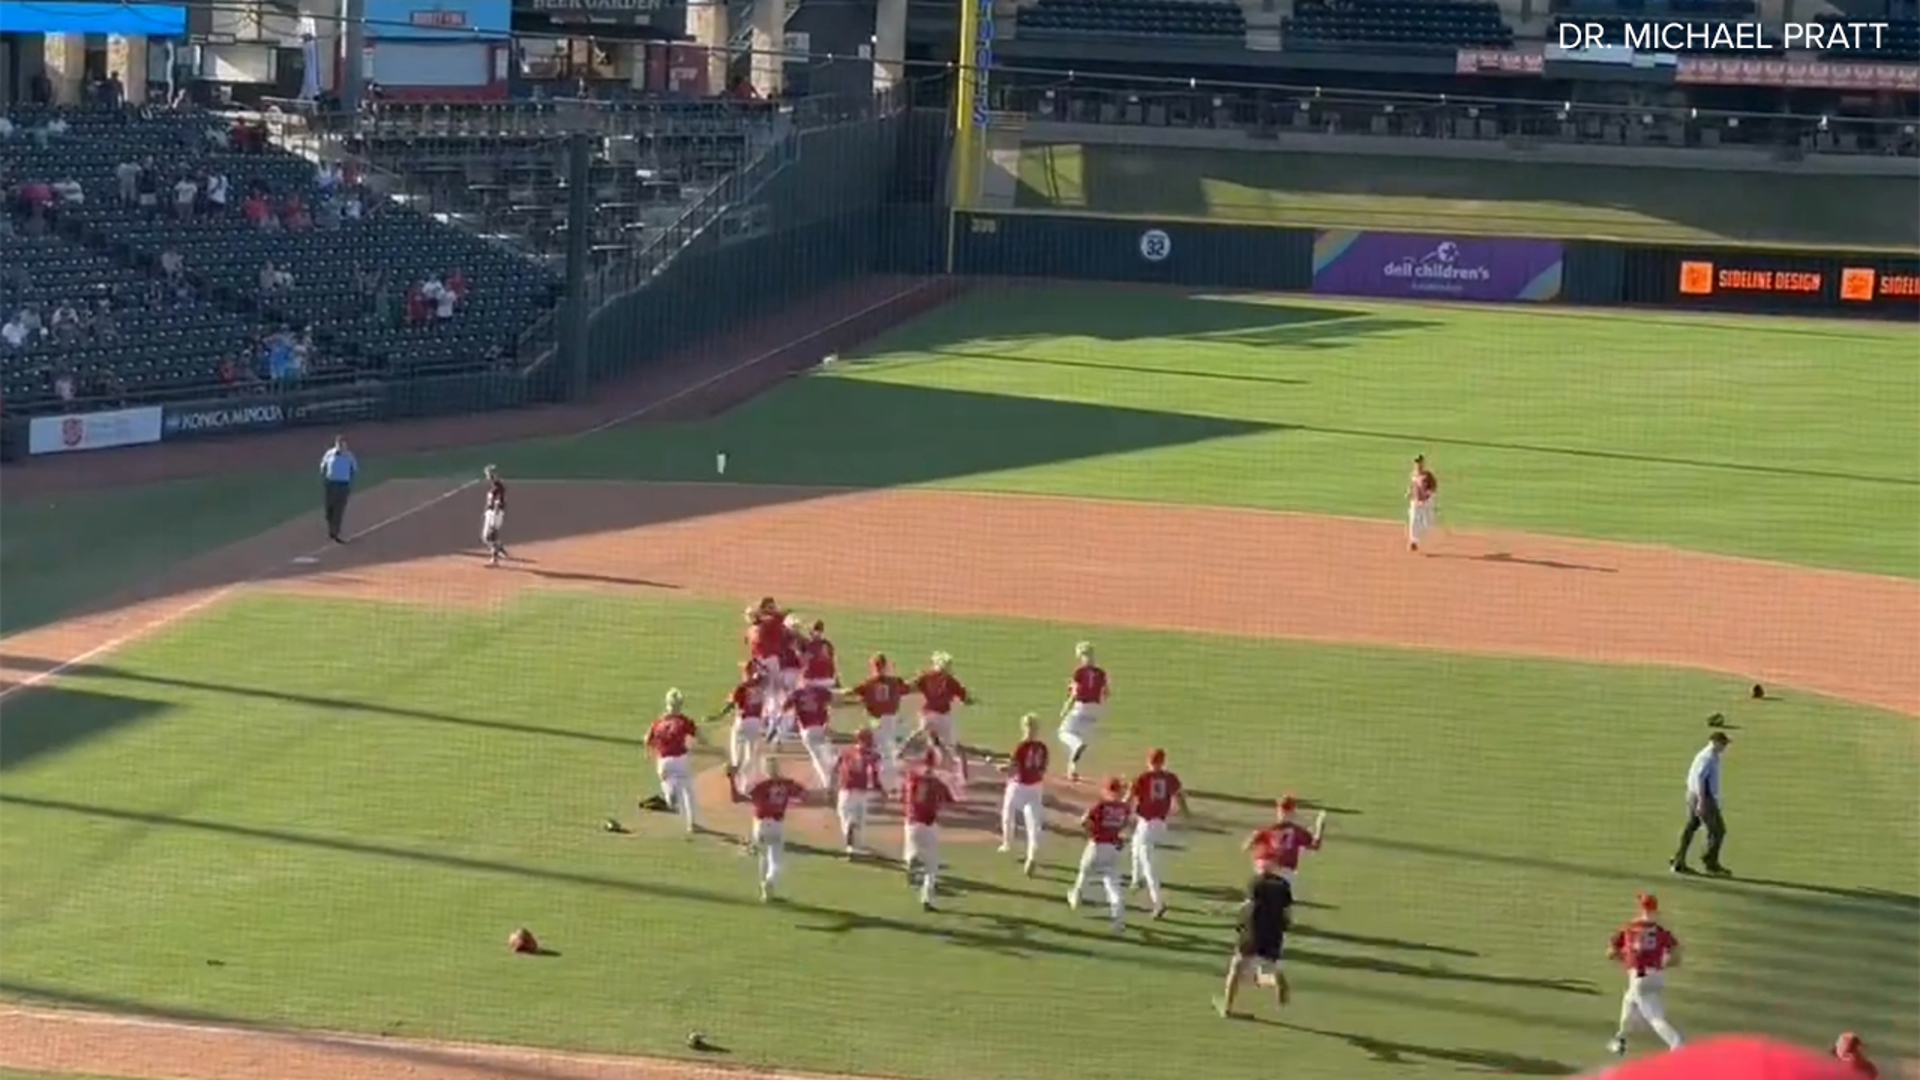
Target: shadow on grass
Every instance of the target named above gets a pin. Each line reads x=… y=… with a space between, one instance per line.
x=55 y=718
x=47 y=721
x=1390 y=1052
x=1008 y=934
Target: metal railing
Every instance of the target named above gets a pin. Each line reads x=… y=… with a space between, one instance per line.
x=1267 y=109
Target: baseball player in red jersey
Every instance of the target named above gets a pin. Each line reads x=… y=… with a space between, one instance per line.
x=766 y=638
x=812 y=708
x=881 y=693
x=748 y=704
x=1646 y=950
x=1156 y=793
x=1026 y=771
x=939 y=691
x=493 y=518
x=1422 y=486
x=788 y=665
x=1281 y=844
x=668 y=740
x=771 y=798
x=818 y=666
x=1105 y=823
x=1851 y=1052
x=1086 y=703
x=927 y=793
x=856 y=780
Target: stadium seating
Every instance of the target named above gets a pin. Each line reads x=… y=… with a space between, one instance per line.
x=1201 y=20
x=501 y=168
x=223 y=255
x=1396 y=25
x=136 y=337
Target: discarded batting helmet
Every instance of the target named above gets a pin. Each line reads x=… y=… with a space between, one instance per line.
x=523 y=941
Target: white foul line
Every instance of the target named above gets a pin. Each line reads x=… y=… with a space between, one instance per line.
x=744 y=365
x=174 y=615
x=214 y=597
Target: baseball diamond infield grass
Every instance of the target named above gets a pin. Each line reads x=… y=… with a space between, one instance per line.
x=1502 y=198
x=326 y=812
x=1775 y=438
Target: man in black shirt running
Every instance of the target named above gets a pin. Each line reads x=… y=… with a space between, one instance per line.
x=1264 y=917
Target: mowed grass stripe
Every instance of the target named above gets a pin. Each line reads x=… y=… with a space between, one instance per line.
x=1777 y=439
x=351 y=834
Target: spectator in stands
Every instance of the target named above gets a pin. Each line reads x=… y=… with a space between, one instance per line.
x=217 y=189
x=30 y=320
x=327 y=217
x=293 y=214
x=186 y=193
x=65 y=387
x=146 y=188
x=114 y=92
x=124 y=176
x=258 y=213
x=65 y=326
x=68 y=192
x=457 y=285
x=103 y=324
x=14 y=333
x=274 y=281
x=354 y=207
x=172 y=264
x=327 y=177
x=438 y=299
x=40 y=88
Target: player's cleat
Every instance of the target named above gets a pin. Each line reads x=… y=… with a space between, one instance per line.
x=1413 y=545
x=1616 y=1046
x=926 y=905
x=766 y=894
x=1679 y=867
x=1119 y=926
x=1004 y=849
x=1027 y=868
x=1073 y=899
x=1159 y=912
x=1220 y=1006
x=1718 y=870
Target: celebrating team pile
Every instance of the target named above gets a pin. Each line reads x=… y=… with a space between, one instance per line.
x=786 y=693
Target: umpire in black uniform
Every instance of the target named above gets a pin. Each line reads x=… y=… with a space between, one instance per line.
x=1265 y=915
x=337 y=470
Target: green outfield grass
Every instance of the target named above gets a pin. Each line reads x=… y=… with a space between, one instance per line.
x=221 y=821
x=1497 y=197
x=1777 y=438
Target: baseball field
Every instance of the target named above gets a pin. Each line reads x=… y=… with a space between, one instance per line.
x=269 y=807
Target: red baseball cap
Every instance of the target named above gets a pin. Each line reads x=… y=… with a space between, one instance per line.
x=1731 y=1057
x=1648 y=902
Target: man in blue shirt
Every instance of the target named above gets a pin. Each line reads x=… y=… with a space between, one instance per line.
x=337 y=470
x=1704 y=807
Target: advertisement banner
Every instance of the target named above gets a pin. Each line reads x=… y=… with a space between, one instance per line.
x=220 y=418
x=1785 y=282
x=1348 y=263
x=93 y=431
x=442 y=20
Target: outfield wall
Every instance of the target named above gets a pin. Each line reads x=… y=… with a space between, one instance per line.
x=1439 y=267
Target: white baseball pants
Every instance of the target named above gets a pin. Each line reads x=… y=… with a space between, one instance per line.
x=853 y=807
x=1419 y=521
x=1645 y=1000
x=819 y=747
x=676 y=786
x=921 y=847
x=1100 y=862
x=1145 y=851
x=1021 y=807
x=770 y=839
